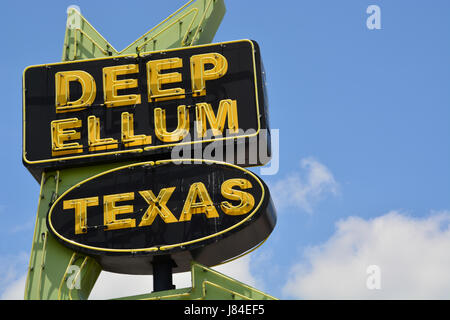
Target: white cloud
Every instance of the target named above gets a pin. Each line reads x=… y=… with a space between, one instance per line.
x=302 y=190
x=12 y=268
x=240 y=270
x=112 y=285
x=413 y=255
x=15 y=289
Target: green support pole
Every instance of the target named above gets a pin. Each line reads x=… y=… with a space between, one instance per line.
x=56 y=272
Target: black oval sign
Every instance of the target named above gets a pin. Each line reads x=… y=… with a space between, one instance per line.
x=204 y=211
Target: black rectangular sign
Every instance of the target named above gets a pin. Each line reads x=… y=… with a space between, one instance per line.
x=141 y=106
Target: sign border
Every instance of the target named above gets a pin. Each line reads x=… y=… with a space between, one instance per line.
x=144 y=149
x=164 y=247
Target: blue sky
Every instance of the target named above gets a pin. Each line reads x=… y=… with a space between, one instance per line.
x=364 y=135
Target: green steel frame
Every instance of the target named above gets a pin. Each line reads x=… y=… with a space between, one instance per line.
x=194 y=23
x=56 y=272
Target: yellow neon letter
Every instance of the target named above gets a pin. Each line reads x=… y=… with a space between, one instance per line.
x=60 y=134
x=156 y=79
x=179 y=133
x=204 y=112
x=199 y=75
x=111 y=85
x=247 y=202
x=128 y=137
x=191 y=206
x=80 y=206
x=95 y=142
x=62 y=86
x=152 y=211
x=111 y=211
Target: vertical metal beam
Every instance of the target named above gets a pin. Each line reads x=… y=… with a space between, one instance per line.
x=162 y=273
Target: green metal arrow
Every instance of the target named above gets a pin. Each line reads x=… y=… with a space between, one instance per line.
x=194 y=23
